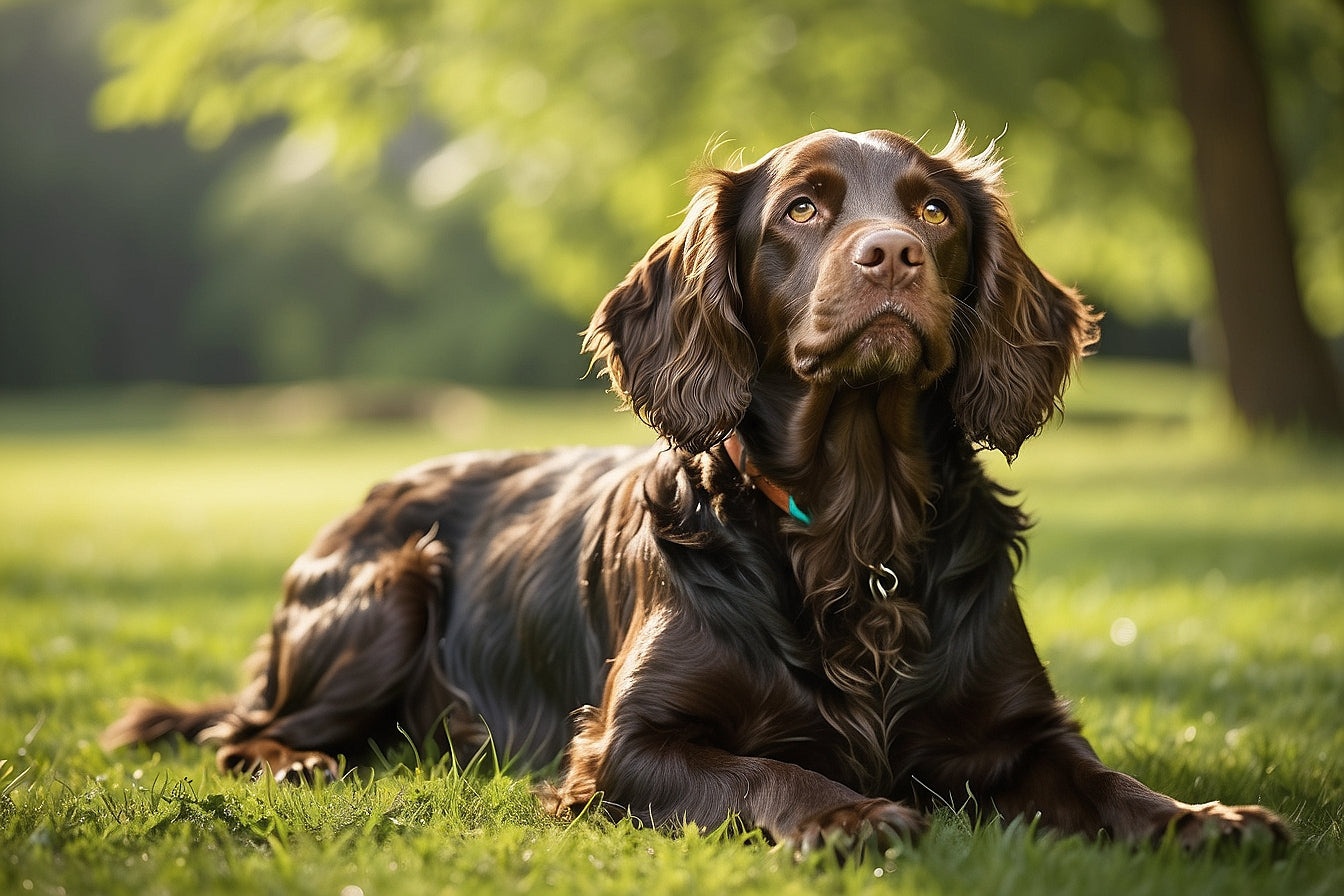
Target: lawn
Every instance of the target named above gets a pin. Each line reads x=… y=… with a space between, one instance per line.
x=1185 y=582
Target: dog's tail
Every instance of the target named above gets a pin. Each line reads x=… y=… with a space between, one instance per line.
x=146 y=721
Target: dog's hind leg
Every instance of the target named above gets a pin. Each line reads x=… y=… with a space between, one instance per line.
x=350 y=658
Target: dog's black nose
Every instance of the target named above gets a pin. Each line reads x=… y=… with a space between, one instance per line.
x=890 y=257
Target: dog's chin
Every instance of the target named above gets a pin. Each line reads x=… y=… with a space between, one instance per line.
x=887 y=350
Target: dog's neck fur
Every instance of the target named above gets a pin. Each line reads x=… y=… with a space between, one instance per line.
x=856 y=461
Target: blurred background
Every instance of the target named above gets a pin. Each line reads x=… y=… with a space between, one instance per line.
x=411 y=191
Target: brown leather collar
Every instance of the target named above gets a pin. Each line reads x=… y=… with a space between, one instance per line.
x=737 y=452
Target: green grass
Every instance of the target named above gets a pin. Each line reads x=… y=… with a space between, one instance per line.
x=1186 y=584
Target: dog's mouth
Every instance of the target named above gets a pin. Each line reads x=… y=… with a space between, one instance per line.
x=886 y=343
x=887 y=320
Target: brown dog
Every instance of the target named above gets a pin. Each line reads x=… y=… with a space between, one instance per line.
x=799 y=610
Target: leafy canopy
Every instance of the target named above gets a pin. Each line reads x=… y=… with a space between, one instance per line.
x=578 y=118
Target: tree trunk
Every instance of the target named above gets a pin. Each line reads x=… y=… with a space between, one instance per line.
x=1279 y=369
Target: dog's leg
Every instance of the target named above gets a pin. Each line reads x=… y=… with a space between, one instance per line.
x=676 y=737
x=1054 y=774
x=661 y=778
x=351 y=655
x=1063 y=781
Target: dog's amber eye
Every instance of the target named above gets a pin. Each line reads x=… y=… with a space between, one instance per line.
x=802 y=210
x=934 y=212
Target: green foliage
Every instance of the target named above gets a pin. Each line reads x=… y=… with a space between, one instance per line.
x=327 y=277
x=1184 y=583
x=580 y=116
x=422 y=189
x=127 y=256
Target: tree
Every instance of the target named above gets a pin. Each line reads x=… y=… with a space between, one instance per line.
x=1278 y=367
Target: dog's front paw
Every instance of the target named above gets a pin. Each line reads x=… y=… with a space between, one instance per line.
x=1211 y=824
x=262 y=757
x=853 y=829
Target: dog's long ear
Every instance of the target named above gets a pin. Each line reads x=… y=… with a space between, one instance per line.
x=1026 y=331
x=671 y=334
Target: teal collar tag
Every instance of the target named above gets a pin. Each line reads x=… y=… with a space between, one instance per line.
x=796 y=512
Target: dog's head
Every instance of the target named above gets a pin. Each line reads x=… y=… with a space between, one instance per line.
x=843 y=260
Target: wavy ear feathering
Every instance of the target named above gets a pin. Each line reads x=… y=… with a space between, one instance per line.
x=671 y=336
x=1027 y=330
